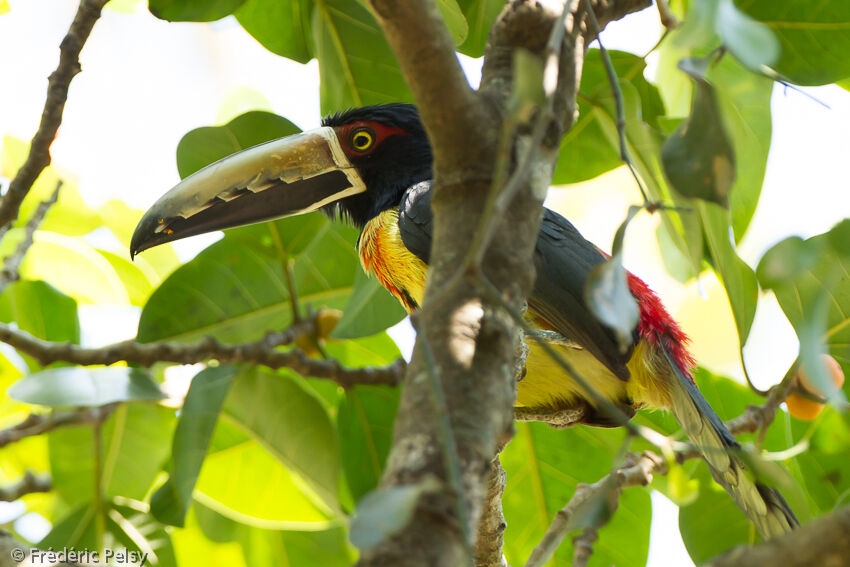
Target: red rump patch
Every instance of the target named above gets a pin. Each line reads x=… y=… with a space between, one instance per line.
x=657 y=325
x=377 y=130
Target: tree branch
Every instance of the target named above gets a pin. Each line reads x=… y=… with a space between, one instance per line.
x=259 y=352
x=822 y=541
x=12 y=264
x=36 y=424
x=491 y=530
x=637 y=471
x=27 y=485
x=51 y=117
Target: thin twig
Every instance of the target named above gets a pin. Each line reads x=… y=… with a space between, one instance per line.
x=51 y=117
x=12 y=263
x=619 y=104
x=637 y=471
x=261 y=352
x=668 y=19
x=36 y=424
x=29 y=484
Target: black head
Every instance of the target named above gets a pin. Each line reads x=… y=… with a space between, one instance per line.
x=388 y=145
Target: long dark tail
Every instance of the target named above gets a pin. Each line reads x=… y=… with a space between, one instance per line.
x=764 y=505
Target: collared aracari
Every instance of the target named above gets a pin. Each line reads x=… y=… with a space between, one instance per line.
x=372 y=165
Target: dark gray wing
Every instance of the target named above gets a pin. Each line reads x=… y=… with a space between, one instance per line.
x=563 y=259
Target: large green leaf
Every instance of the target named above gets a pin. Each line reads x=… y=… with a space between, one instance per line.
x=134 y=442
x=814 y=37
x=586 y=151
x=195 y=427
x=290 y=422
x=192 y=10
x=544 y=466
x=202 y=146
x=356 y=65
x=41 y=310
x=89 y=387
x=370 y=309
x=737 y=277
x=236 y=289
x=455 y=19
x=480 y=15
x=328 y=548
x=125 y=529
x=823 y=280
x=281 y=26
x=365 y=428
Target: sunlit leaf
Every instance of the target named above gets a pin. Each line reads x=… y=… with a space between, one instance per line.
x=455 y=20
x=281 y=26
x=480 y=15
x=192 y=10
x=752 y=42
x=370 y=309
x=356 y=65
x=134 y=444
x=191 y=438
x=813 y=37
x=202 y=146
x=365 y=428
x=544 y=466
x=41 y=310
x=236 y=290
x=290 y=422
x=80 y=386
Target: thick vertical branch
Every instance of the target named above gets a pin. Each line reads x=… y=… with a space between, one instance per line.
x=51 y=117
x=471 y=338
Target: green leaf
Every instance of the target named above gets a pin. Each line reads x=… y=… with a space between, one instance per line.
x=236 y=289
x=698 y=157
x=737 y=277
x=480 y=15
x=291 y=423
x=587 y=139
x=752 y=42
x=786 y=260
x=127 y=529
x=139 y=278
x=53 y=256
x=134 y=442
x=370 y=309
x=328 y=548
x=713 y=523
x=814 y=37
x=356 y=65
x=281 y=26
x=365 y=429
x=455 y=20
x=192 y=10
x=203 y=146
x=815 y=298
x=195 y=427
x=89 y=387
x=385 y=511
x=41 y=310
x=543 y=467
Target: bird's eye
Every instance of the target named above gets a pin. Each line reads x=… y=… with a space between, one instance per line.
x=362 y=139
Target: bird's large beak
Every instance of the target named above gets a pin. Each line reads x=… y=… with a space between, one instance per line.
x=284 y=177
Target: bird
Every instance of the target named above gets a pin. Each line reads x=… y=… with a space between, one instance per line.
x=373 y=167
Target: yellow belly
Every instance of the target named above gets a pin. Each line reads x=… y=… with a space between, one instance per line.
x=546 y=384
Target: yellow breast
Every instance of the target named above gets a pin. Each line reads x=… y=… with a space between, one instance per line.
x=383 y=253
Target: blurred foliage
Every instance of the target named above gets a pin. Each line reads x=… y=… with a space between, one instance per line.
x=261 y=467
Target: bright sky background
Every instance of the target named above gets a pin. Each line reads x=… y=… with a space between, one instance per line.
x=146 y=82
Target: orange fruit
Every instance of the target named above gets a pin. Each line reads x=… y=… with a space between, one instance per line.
x=804 y=408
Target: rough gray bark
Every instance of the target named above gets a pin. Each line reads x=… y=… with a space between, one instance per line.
x=470 y=337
